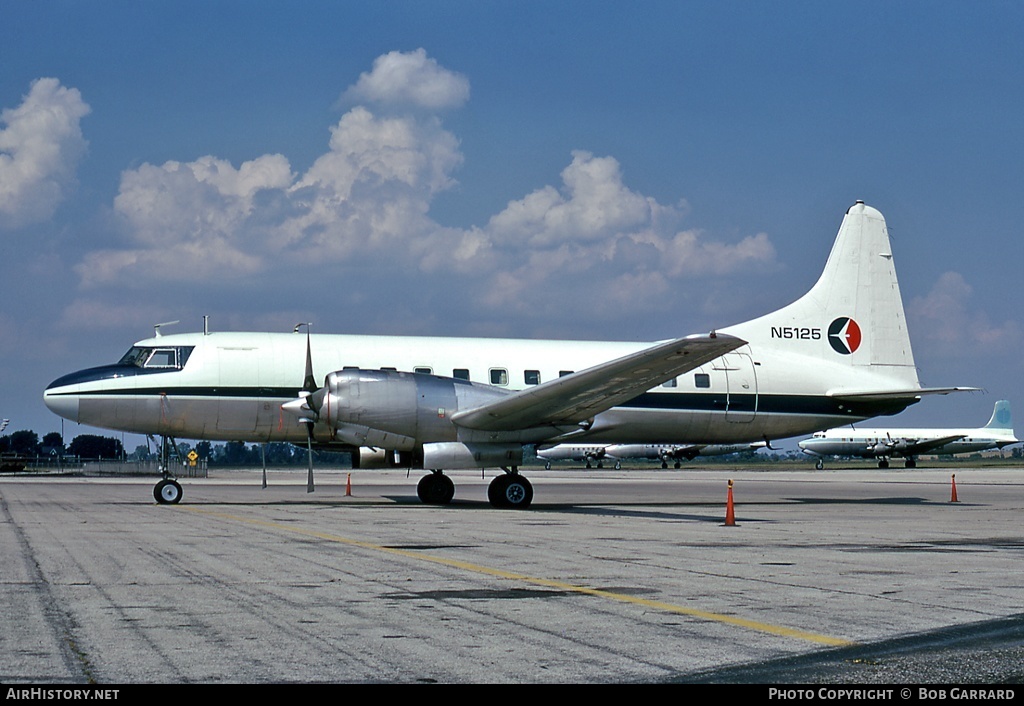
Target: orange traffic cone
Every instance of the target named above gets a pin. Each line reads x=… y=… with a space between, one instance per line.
x=730 y=515
x=348 y=486
x=953 y=498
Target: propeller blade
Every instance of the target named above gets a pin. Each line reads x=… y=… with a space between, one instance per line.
x=309 y=382
x=305 y=395
x=309 y=455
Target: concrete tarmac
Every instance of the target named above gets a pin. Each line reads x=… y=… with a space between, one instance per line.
x=853 y=576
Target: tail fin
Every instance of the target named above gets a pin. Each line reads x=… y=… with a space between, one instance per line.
x=1001 y=417
x=854 y=313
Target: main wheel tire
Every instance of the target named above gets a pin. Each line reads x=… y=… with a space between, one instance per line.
x=518 y=493
x=167 y=492
x=435 y=489
x=510 y=491
x=496 y=491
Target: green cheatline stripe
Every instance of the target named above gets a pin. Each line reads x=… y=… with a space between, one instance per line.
x=550 y=583
x=815 y=405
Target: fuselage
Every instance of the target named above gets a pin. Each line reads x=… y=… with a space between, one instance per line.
x=230 y=386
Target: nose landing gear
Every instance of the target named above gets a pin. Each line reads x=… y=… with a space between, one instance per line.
x=167 y=491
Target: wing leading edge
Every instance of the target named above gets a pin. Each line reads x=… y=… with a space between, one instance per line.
x=575 y=398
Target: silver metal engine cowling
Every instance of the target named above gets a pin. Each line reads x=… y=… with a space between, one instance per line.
x=395 y=410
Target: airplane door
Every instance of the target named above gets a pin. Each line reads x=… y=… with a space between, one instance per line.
x=742 y=384
x=238 y=389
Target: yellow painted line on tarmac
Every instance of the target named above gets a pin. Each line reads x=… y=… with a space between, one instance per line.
x=550 y=583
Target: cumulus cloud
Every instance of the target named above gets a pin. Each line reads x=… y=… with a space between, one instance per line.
x=594 y=221
x=40 y=147
x=410 y=79
x=364 y=205
x=594 y=205
x=946 y=317
x=368 y=194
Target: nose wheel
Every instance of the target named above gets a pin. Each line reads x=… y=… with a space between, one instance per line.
x=167 y=492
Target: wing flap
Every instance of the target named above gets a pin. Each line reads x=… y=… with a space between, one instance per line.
x=577 y=397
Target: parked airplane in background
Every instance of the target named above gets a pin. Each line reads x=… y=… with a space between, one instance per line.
x=596 y=454
x=677 y=453
x=840 y=353
x=591 y=454
x=884 y=444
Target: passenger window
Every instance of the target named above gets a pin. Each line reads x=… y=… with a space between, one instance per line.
x=499 y=376
x=702 y=380
x=531 y=377
x=563 y=373
x=392 y=369
x=461 y=373
x=425 y=371
x=670 y=383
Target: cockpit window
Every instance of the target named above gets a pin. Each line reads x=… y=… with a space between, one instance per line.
x=171 y=358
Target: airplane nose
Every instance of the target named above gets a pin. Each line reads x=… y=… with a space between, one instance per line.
x=64 y=404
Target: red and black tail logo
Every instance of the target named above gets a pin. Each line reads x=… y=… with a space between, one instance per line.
x=844 y=335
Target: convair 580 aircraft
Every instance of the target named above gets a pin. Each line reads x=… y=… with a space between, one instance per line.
x=840 y=353
x=884 y=444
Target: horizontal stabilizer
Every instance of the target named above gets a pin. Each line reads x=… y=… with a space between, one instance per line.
x=882 y=395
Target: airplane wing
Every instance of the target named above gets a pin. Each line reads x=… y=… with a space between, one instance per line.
x=577 y=397
x=914 y=446
x=687 y=452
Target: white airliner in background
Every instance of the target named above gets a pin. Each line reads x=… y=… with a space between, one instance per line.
x=596 y=454
x=839 y=354
x=884 y=444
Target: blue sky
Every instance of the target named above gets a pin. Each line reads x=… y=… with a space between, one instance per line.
x=599 y=170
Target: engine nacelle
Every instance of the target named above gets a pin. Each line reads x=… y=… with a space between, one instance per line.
x=411 y=414
x=902 y=445
x=394 y=410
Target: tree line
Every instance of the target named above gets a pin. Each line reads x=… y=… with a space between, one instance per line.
x=27 y=444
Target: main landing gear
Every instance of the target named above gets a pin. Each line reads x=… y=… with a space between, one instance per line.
x=167 y=491
x=910 y=462
x=509 y=490
x=435 y=488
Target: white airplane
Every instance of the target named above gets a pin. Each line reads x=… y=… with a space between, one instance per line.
x=591 y=454
x=596 y=454
x=841 y=353
x=677 y=453
x=884 y=444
